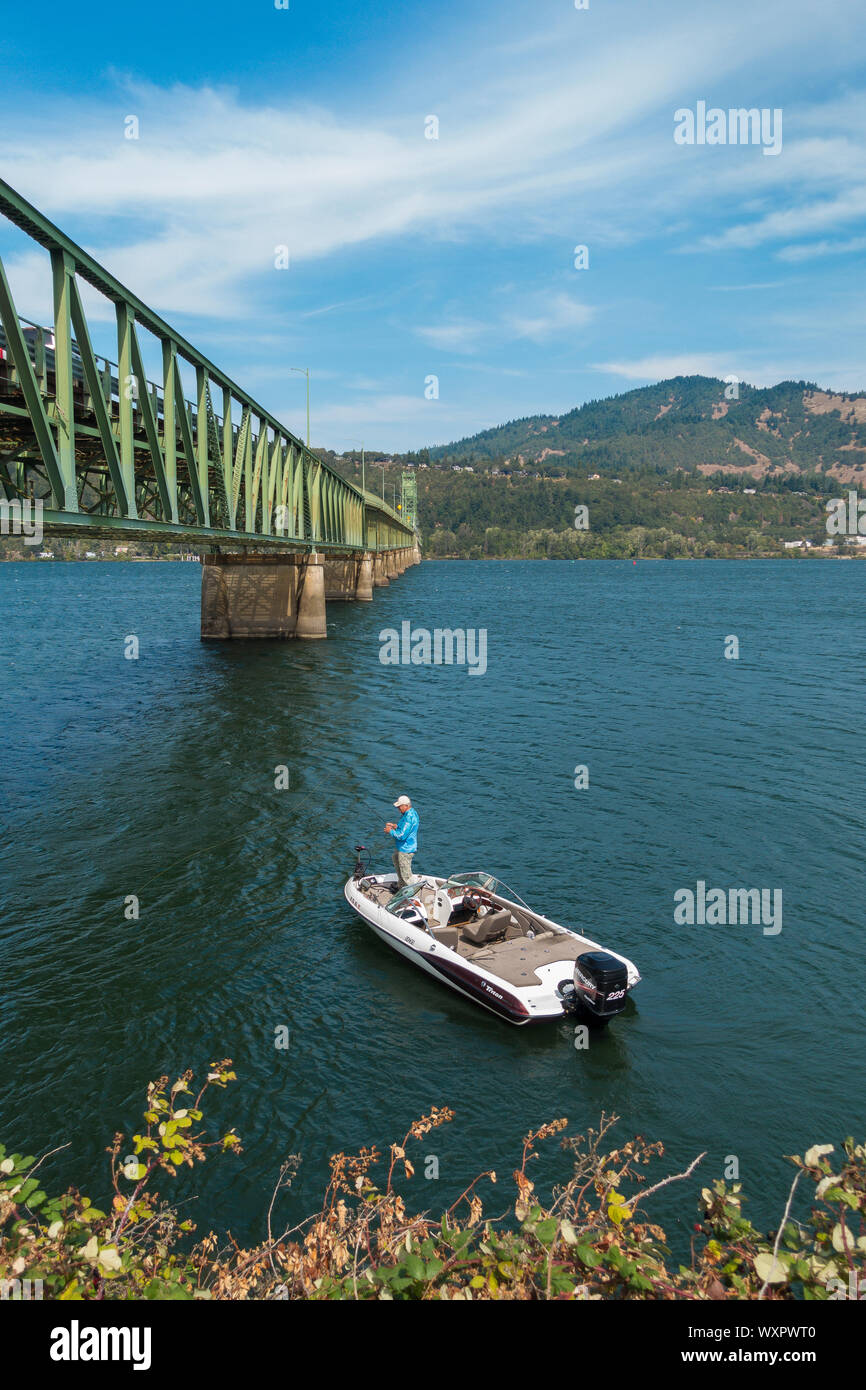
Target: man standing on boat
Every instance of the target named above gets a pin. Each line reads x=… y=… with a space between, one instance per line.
x=405 y=833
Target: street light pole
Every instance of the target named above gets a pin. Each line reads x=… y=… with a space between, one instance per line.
x=305 y=371
x=363 y=464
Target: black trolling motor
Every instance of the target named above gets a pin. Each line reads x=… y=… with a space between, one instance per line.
x=360 y=866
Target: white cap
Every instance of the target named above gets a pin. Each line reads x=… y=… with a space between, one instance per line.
x=402 y=801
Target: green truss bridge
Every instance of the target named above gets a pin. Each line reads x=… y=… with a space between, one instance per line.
x=94 y=447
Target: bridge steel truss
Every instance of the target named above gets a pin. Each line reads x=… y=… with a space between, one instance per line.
x=106 y=451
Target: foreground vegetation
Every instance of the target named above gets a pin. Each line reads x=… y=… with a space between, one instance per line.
x=592 y=1238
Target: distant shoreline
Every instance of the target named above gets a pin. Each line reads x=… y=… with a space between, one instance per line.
x=814 y=554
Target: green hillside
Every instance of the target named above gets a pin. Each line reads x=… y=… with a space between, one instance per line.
x=688 y=423
x=474 y=515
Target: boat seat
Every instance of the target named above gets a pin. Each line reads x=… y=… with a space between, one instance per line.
x=490 y=927
x=447 y=935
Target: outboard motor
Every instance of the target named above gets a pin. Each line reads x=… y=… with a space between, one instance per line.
x=600 y=986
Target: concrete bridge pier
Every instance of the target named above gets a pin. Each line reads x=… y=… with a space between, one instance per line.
x=276 y=596
x=284 y=595
x=341 y=578
x=364 y=585
x=312 y=621
x=350 y=579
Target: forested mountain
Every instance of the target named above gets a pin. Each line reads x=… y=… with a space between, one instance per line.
x=687 y=422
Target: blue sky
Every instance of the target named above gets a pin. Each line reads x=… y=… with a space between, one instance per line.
x=410 y=257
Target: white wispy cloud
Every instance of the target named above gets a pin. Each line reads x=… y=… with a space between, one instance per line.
x=215 y=183
x=815 y=250
x=541 y=318
x=802 y=220
x=659 y=367
x=562 y=314
x=565 y=136
x=841 y=376
x=749 y=288
x=454 y=337
x=398 y=409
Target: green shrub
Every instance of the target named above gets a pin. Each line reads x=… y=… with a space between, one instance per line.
x=590 y=1239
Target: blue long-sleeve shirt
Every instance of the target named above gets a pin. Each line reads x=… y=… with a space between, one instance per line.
x=405 y=832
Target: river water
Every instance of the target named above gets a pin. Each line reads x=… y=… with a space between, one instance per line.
x=155 y=777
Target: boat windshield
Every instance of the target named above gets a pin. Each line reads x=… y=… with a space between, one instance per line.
x=479 y=879
x=410 y=891
x=476 y=879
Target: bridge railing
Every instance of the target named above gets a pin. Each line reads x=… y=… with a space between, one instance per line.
x=104 y=447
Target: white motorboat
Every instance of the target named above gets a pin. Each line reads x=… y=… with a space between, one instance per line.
x=479 y=937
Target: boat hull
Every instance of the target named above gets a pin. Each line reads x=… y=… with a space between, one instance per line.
x=521 y=1006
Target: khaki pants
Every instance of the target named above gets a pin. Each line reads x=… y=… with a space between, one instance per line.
x=403 y=865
